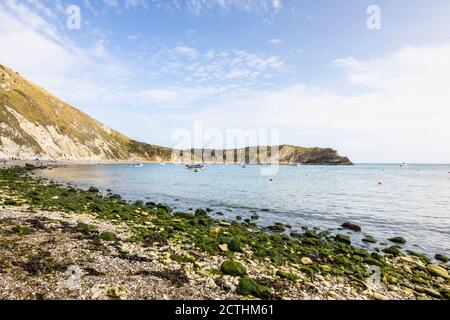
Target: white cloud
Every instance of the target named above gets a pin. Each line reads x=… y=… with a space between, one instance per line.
x=276 y=5
x=197 y=7
x=55 y=63
x=402 y=113
x=186 y=51
x=275 y=41
x=216 y=67
x=135 y=36
x=137 y=3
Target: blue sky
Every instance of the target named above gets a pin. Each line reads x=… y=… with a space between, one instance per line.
x=311 y=69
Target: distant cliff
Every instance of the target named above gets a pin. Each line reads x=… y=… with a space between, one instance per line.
x=34 y=123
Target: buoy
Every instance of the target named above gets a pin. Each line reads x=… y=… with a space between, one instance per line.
x=270 y=179
x=379 y=183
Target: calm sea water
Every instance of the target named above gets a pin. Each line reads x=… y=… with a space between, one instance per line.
x=413 y=202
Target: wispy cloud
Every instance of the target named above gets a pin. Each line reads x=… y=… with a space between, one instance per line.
x=197 y=7
x=216 y=67
x=275 y=41
x=194 y=7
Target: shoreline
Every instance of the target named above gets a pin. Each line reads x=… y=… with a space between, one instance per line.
x=194 y=247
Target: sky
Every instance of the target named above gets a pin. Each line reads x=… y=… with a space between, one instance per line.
x=372 y=84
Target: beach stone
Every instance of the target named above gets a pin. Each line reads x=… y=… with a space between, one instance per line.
x=111 y=291
x=342 y=238
x=306 y=261
x=399 y=240
x=223 y=247
x=438 y=271
x=93 y=190
x=379 y=296
x=210 y=283
x=351 y=226
x=393 y=250
x=277 y=228
x=412 y=260
x=369 y=239
x=441 y=258
x=407 y=269
x=433 y=293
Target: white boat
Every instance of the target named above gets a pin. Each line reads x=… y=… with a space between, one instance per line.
x=404 y=164
x=140 y=165
x=195 y=166
x=243 y=165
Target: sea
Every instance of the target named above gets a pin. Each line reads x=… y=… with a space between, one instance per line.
x=386 y=200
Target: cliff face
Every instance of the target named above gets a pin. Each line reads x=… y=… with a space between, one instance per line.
x=284 y=154
x=34 y=123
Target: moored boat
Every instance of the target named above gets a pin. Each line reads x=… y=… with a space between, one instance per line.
x=195 y=166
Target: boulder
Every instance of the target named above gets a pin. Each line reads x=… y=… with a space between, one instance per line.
x=93 y=190
x=277 y=228
x=342 y=238
x=400 y=240
x=306 y=261
x=441 y=257
x=369 y=239
x=395 y=251
x=438 y=271
x=351 y=226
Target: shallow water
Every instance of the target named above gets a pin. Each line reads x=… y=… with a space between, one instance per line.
x=413 y=202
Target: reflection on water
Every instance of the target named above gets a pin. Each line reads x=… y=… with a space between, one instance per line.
x=386 y=200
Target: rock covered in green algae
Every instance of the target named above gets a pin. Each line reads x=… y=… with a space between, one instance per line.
x=249 y=287
x=286 y=275
x=108 y=236
x=277 y=228
x=438 y=271
x=399 y=240
x=394 y=250
x=200 y=213
x=10 y=202
x=233 y=268
x=22 y=230
x=235 y=244
x=441 y=257
x=93 y=190
x=369 y=239
x=342 y=238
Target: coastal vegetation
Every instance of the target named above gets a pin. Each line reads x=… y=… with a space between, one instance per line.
x=242 y=259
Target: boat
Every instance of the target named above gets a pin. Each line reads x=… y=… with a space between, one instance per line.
x=404 y=164
x=140 y=165
x=195 y=166
x=243 y=165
